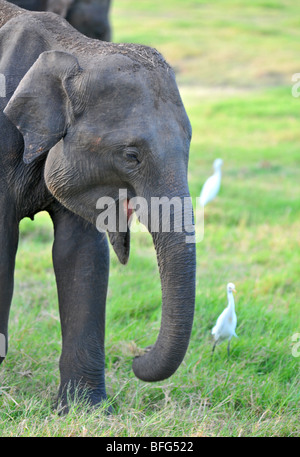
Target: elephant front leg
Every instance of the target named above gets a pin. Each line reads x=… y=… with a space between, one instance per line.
x=81 y=264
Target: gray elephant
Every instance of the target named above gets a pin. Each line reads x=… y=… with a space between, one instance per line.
x=83 y=121
x=32 y=5
x=59 y=6
x=90 y=17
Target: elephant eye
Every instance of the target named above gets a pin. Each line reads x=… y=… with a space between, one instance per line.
x=132 y=154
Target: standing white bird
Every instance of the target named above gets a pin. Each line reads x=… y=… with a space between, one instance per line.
x=212 y=185
x=226 y=322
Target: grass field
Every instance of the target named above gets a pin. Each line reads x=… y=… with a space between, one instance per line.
x=234 y=62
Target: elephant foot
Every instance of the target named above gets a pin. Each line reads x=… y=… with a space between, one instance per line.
x=80 y=397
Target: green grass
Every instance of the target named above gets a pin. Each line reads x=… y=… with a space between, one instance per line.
x=220 y=42
x=234 y=72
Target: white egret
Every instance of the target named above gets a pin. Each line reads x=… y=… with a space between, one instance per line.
x=212 y=185
x=226 y=322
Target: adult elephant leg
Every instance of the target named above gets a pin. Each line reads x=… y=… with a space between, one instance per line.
x=9 y=234
x=81 y=265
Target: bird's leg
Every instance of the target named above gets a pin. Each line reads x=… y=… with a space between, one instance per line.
x=212 y=352
x=228 y=348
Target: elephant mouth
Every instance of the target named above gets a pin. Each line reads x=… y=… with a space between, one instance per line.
x=120 y=239
x=176 y=216
x=128 y=210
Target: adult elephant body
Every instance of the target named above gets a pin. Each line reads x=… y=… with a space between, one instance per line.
x=81 y=120
x=31 y=5
x=90 y=17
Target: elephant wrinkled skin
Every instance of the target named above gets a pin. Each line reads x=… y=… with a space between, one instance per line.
x=81 y=120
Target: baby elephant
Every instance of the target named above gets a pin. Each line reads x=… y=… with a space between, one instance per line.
x=84 y=122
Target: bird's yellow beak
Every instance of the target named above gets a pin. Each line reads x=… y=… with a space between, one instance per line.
x=233 y=290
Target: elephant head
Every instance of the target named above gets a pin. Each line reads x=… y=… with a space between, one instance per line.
x=109 y=123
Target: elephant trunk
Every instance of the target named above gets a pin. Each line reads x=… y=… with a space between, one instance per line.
x=176 y=261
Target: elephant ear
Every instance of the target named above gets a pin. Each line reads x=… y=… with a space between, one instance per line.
x=41 y=106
